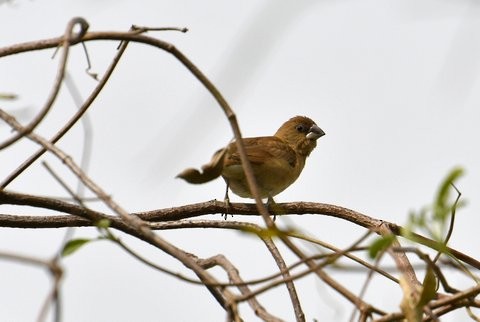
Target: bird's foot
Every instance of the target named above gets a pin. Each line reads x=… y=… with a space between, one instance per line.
x=226 y=200
x=274 y=208
x=227 y=208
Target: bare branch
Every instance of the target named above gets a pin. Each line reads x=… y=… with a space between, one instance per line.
x=143 y=224
x=56 y=272
x=134 y=222
x=81 y=111
x=68 y=39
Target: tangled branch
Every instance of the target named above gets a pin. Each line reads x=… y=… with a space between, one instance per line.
x=421 y=300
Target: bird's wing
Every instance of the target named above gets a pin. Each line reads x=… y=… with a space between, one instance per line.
x=262 y=150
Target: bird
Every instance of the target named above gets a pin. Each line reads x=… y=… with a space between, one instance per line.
x=276 y=161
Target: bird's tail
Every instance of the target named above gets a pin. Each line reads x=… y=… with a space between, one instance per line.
x=210 y=171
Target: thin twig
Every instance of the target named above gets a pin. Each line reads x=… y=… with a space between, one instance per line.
x=234 y=277
x=452 y=222
x=136 y=224
x=142 y=29
x=86 y=126
x=297 y=308
x=68 y=39
x=56 y=272
x=74 y=119
x=88 y=70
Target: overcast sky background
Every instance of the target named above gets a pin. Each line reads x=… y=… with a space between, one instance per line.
x=394 y=84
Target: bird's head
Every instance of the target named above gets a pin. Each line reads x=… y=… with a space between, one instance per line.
x=301 y=133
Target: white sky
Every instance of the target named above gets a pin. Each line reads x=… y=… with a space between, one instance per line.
x=394 y=84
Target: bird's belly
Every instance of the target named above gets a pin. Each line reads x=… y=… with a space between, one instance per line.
x=271 y=179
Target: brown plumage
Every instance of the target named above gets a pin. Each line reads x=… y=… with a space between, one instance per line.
x=277 y=160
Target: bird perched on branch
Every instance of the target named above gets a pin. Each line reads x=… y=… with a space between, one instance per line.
x=276 y=160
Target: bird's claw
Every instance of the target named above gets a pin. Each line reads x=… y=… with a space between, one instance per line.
x=227 y=208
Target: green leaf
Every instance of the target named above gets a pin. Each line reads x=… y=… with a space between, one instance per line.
x=441 y=205
x=103 y=223
x=429 y=290
x=379 y=245
x=73 y=245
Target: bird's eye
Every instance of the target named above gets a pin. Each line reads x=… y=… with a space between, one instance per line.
x=301 y=128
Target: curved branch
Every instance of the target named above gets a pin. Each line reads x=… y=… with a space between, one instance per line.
x=135 y=37
x=68 y=39
x=73 y=120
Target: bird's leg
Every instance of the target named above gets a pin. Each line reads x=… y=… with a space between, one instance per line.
x=226 y=200
x=273 y=207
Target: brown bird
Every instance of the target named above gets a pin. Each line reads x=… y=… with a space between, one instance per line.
x=277 y=160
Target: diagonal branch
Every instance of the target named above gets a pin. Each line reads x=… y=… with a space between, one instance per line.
x=136 y=224
x=135 y=37
x=73 y=120
x=68 y=39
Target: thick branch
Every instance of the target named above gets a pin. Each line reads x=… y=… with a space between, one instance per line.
x=194 y=210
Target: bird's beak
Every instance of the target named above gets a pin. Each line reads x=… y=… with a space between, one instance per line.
x=315 y=132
